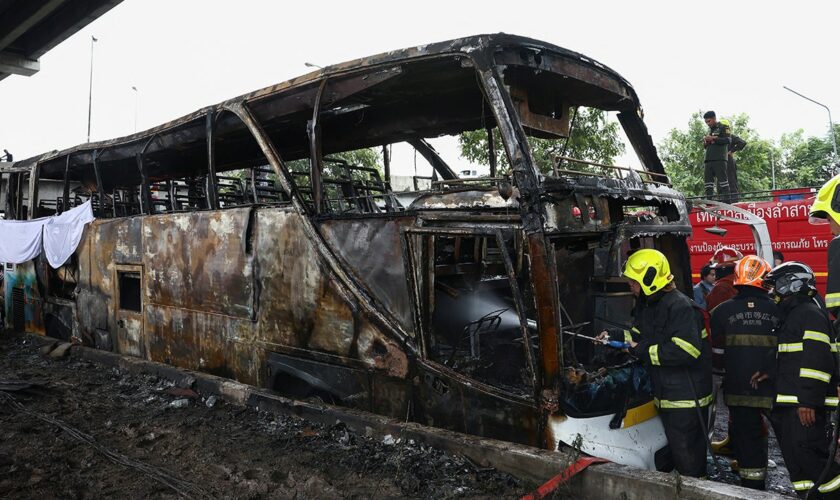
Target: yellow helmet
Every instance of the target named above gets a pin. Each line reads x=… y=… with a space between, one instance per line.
x=650 y=269
x=827 y=203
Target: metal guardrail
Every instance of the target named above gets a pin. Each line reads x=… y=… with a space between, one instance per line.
x=749 y=196
x=652 y=177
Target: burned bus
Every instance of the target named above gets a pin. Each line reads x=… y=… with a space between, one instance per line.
x=240 y=241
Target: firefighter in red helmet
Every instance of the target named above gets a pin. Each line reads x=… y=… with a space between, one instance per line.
x=723 y=262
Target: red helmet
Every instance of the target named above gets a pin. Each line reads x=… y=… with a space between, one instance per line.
x=726 y=257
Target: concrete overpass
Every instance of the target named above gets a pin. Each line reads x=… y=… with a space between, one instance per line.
x=30 y=28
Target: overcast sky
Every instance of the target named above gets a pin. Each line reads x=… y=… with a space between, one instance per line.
x=184 y=54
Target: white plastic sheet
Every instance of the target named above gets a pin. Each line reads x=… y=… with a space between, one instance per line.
x=59 y=236
x=63 y=233
x=20 y=240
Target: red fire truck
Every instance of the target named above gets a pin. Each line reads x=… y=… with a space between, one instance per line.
x=786 y=215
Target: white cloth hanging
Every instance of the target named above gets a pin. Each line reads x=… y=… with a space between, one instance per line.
x=20 y=240
x=59 y=235
x=62 y=233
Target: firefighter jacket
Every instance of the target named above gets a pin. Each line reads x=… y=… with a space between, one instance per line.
x=832 y=288
x=806 y=368
x=745 y=325
x=723 y=290
x=670 y=343
x=719 y=148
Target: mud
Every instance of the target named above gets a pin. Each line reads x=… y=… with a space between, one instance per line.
x=150 y=439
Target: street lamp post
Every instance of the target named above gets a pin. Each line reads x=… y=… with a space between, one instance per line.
x=830 y=123
x=136 y=105
x=90 y=87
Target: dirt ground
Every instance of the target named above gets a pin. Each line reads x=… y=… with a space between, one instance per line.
x=140 y=436
x=158 y=449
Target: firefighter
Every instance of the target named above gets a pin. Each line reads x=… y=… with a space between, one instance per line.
x=745 y=325
x=805 y=379
x=826 y=210
x=666 y=337
x=723 y=262
x=716 y=143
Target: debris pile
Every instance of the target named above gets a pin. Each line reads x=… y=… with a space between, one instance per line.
x=151 y=437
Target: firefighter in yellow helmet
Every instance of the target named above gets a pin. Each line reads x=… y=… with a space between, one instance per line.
x=826 y=210
x=666 y=337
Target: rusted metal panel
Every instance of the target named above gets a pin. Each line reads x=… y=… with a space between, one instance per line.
x=454 y=402
x=190 y=262
x=128 y=241
x=364 y=245
x=59 y=318
x=291 y=279
x=303 y=306
x=200 y=261
x=203 y=341
x=97 y=259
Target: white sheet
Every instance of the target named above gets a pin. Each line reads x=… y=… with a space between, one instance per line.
x=59 y=236
x=62 y=233
x=20 y=240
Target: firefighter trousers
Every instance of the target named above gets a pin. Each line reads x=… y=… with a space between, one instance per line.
x=713 y=170
x=686 y=439
x=805 y=450
x=749 y=440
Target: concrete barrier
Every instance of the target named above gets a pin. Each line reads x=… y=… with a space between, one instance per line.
x=532 y=465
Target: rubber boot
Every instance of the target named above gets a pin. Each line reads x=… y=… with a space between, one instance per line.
x=722 y=447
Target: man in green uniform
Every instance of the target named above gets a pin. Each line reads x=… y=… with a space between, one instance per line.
x=736 y=145
x=717 y=152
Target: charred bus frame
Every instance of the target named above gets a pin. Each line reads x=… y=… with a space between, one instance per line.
x=306 y=274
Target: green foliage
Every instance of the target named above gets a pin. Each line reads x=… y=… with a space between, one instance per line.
x=754 y=169
x=682 y=154
x=367 y=157
x=805 y=161
x=799 y=160
x=593 y=138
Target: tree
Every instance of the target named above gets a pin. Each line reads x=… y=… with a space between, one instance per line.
x=805 y=161
x=366 y=157
x=592 y=138
x=682 y=154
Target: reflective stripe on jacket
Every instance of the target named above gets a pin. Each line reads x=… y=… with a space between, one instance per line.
x=670 y=343
x=745 y=324
x=806 y=368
